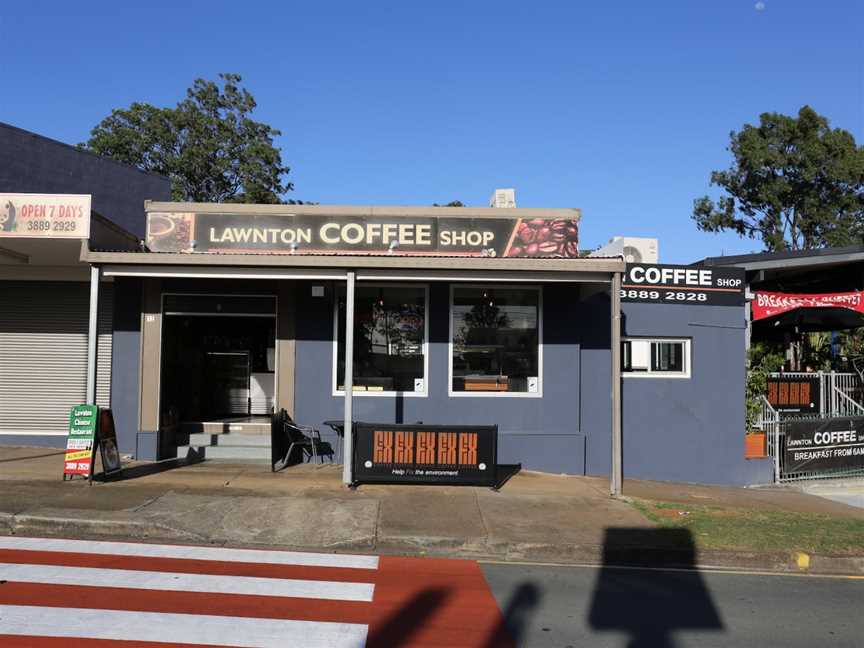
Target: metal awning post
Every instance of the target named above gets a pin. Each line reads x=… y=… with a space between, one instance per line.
x=348 y=416
x=93 y=334
x=617 y=441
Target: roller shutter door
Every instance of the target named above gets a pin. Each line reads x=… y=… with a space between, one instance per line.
x=43 y=354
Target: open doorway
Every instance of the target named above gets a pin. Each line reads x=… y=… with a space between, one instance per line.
x=218 y=359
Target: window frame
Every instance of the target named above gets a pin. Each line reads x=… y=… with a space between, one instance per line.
x=382 y=394
x=686 y=374
x=538 y=288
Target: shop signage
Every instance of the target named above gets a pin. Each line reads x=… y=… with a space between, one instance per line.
x=797 y=395
x=305 y=234
x=80 y=441
x=44 y=216
x=425 y=454
x=90 y=427
x=824 y=444
x=769 y=304
x=676 y=284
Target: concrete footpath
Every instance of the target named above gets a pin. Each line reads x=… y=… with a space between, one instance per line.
x=535 y=517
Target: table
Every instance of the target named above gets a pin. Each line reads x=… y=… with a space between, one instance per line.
x=338 y=426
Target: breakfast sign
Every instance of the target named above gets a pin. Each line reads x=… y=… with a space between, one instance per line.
x=406 y=236
x=44 y=215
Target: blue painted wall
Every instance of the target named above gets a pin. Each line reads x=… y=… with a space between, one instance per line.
x=30 y=163
x=541 y=433
x=690 y=430
x=125 y=355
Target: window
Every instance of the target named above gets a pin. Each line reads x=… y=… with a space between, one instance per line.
x=664 y=358
x=495 y=337
x=389 y=339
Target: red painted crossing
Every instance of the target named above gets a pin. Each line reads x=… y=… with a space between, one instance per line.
x=74 y=593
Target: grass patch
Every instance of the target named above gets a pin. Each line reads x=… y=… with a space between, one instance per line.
x=717 y=528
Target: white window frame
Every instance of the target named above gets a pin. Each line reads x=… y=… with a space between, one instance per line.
x=648 y=373
x=493 y=394
x=383 y=394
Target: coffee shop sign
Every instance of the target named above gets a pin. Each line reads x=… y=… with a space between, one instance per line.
x=304 y=234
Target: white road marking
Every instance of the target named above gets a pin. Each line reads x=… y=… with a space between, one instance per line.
x=178 y=582
x=190 y=552
x=200 y=629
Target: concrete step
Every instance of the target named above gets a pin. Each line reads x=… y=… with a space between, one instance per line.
x=230 y=440
x=229 y=427
x=254 y=454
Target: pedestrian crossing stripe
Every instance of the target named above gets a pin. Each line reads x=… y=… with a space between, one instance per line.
x=69 y=593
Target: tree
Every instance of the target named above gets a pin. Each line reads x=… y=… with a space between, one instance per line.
x=795 y=183
x=452 y=203
x=208 y=145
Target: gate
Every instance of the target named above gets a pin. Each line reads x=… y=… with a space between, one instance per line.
x=779 y=428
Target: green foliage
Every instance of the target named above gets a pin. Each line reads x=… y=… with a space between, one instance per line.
x=816 y=351
x=208 y=145
x=452 y=203
x=795 y=183
x=852 y=348
x=762 y=360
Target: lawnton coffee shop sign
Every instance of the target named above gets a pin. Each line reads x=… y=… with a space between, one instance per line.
x=303 y=234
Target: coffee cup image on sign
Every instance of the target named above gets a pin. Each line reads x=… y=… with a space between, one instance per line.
x=7 y=217
x=169 y=232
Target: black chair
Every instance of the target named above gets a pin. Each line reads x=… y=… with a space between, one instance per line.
x=311 y=446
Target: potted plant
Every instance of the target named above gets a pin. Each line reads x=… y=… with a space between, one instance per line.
x=761 y=362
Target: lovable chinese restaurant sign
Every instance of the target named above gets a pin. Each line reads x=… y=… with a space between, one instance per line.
x=83 y=424
x=425 y=454
x=405 y=236
x=769 y=304
x=44 y=216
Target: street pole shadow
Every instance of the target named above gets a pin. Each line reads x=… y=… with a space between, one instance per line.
x=399 y=629
x=516 y=619
x=650 y=605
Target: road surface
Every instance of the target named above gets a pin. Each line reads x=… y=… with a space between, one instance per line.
x=571 y=607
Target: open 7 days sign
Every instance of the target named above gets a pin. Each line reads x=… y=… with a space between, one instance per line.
x=675 y=284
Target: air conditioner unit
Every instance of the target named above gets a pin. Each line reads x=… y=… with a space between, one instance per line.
x=503 y=198
x=634 y=249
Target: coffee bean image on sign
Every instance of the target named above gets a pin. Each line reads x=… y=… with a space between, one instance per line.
x=546 y=238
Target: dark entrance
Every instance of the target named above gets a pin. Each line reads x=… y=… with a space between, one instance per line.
x=218 y=358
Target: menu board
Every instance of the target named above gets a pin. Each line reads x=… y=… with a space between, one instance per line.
x=83 y=425
x=108 y=443
x=425 y=454
x=794 y=395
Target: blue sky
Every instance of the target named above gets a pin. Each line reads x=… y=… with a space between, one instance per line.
x=620 y=108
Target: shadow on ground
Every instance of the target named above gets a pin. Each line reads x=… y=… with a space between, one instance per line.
x=649 y=605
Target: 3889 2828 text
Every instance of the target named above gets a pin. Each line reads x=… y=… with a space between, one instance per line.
x=666 y=295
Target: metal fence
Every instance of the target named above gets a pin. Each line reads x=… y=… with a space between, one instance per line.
x=774 y=423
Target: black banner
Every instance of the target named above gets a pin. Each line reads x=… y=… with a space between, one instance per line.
x=304 y=234
x=794 y=395
x=823 y=444
x=425 y=454
x=676 y=284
